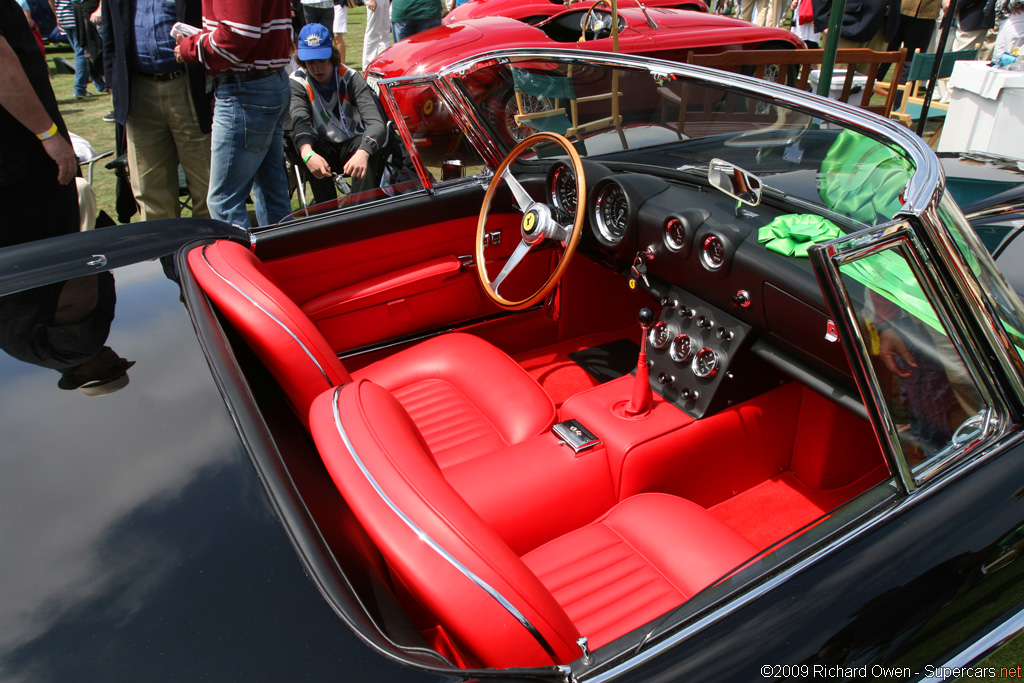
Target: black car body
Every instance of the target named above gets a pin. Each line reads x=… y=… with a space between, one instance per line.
x=184 y=526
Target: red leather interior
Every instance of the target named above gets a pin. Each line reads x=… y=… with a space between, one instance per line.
x=466 y=396
x=601 y=409
x=536 y=490
x=412 y=279
x=344 y=292
x=272 y=324
x=649 y=554
x=392 y=453
x=644 y=557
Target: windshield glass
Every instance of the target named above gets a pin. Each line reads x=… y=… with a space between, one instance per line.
x=678 y=125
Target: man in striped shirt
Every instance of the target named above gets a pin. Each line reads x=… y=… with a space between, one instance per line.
x=245 y=46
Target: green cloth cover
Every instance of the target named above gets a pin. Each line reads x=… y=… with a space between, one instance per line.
x=862 y=178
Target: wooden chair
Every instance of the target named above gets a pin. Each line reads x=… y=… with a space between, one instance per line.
x=793 y=68
x=556 y=88
x=921 y=66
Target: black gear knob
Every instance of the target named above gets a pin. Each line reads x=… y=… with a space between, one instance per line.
x=645 y=317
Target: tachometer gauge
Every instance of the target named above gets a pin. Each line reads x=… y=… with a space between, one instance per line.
x=675 y=234
x=705 y=362
x=712 y=252
x=612 y=213
x=659 y=334
x=681 y=348
x=563 y=190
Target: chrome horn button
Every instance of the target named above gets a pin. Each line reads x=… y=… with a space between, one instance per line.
x=537 y=224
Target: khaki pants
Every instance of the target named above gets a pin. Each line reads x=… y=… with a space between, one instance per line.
x=162 y=131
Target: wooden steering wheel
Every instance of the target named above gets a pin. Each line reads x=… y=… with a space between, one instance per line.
x=586 y=19
x=538 y=223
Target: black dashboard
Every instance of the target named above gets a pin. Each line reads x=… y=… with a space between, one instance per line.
x=735 y=318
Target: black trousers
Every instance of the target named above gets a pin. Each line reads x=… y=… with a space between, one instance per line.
x=336 y=155
x=915 y=34
x=37 y=207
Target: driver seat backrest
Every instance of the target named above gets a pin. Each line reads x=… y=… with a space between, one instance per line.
x=647 y=555
x=465 y=396
x=283 y=337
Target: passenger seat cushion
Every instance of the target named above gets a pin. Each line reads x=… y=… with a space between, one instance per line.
x=465 y=395
x=646 y=556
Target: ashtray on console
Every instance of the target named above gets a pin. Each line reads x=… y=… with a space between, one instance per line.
x=575 y=435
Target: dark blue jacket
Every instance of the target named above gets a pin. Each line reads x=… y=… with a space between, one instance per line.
x=118 y=23
x=975 y=14
x=861 y=18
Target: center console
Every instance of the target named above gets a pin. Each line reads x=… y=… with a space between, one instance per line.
x=699 y=356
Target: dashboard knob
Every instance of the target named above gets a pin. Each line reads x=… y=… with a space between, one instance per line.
x=741 y=298
x=686 y=312
x=645 y=317
x=724 y=333
x=705 y=322
x=665 y=378
x=689 y=394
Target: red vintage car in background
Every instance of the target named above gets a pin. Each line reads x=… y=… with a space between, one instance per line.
x=670 y=34
x=535 y=11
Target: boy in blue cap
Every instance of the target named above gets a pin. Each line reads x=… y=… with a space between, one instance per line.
x=337 y=122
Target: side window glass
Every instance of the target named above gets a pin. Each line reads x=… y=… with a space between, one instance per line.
x=437 y=138
x=932 y=399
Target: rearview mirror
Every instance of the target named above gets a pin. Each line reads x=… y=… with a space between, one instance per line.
x=735 y=182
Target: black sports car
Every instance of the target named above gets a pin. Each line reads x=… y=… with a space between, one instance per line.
x=707 y=379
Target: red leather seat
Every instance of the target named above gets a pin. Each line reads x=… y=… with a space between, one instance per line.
x=645 y=556
x=465 y=396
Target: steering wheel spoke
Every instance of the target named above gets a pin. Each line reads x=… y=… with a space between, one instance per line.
x=523 y=198
x=538 y=224
x=522 y=250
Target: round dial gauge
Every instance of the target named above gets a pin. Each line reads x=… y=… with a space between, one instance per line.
x=705 y=362
x=563 y=189
x=596 y=21
x=681 y=349
x=659 y=335
x=675 y=234
x=612 y=212
x=712 y=252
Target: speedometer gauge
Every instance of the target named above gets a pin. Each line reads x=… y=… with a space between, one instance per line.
x=612 y=213
x=563 y=189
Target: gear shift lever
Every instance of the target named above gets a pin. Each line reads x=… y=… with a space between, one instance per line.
x=641 y=401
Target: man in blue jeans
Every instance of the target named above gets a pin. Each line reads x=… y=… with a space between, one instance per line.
x=409 y=17
x=64 y=11
x=245 y=49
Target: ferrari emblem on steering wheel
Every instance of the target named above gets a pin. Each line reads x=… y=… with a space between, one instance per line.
x=538 y=225
x=529 y=222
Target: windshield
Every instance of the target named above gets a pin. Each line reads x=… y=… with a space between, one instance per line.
x=678 y=125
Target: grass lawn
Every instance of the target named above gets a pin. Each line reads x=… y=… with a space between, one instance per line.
x=85 y=117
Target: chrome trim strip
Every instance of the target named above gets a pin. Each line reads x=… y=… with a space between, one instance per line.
x=434 y=545
x=284 y=327
x=920 y=189
x=985 y=645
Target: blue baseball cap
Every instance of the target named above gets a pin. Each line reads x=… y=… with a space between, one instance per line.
x=314 y=42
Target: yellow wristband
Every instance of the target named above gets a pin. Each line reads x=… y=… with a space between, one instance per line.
x=49 y=133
